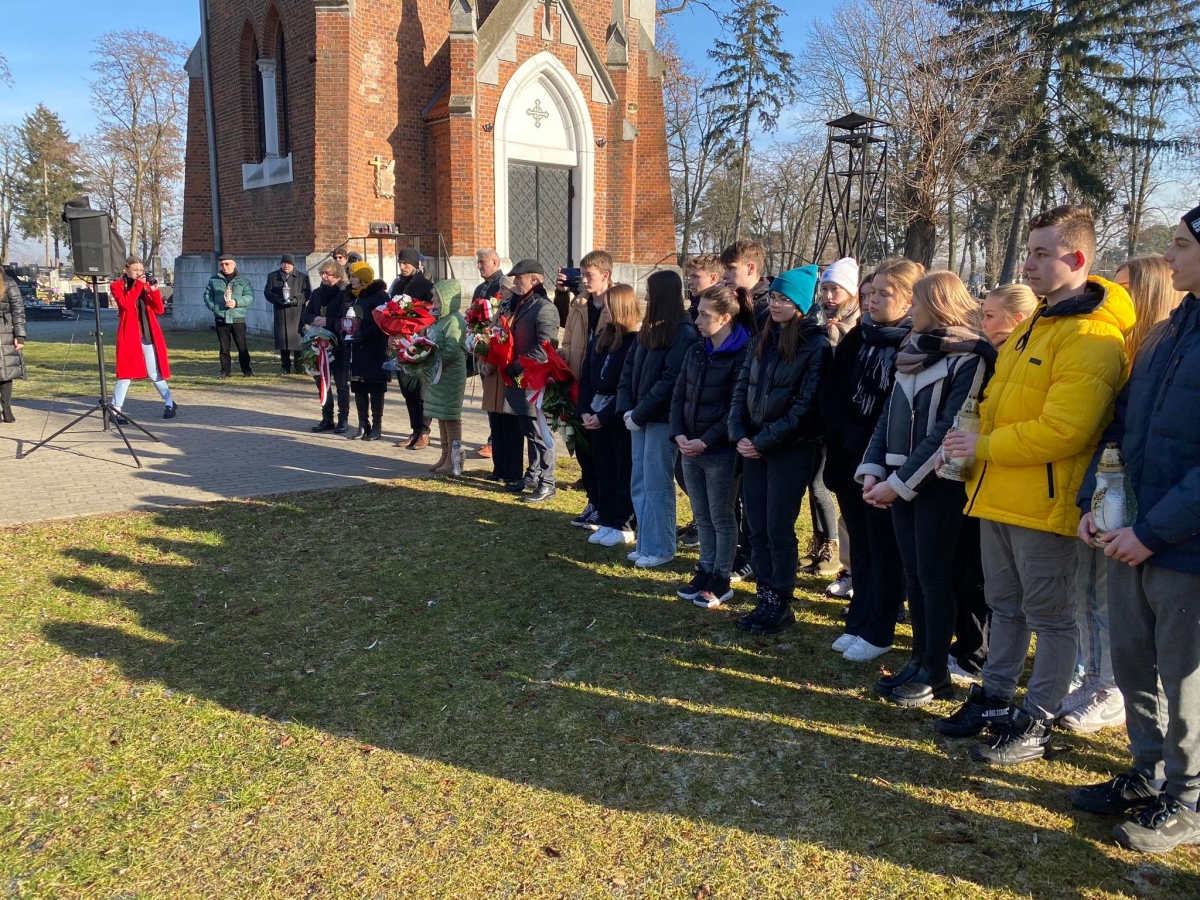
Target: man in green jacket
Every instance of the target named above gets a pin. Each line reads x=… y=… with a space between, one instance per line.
x=228 y=295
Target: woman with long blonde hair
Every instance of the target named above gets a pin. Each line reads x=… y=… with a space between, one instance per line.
x=1004 y=308
x=609 y=441
x=943 y=361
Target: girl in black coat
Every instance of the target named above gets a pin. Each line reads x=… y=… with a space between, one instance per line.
x=324 y=309
x=774 y=423
x=609 y=441
x=367 y=350
x=859 y=386
x=12 y=342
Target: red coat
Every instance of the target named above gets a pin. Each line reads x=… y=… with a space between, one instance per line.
x=130 y=361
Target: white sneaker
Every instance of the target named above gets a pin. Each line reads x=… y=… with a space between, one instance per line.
x=1106 y=709
x=616 y=537
x=634 y=556
x=842 y=644
x=1081 y=695
x=649 y=562
x=958 y=673
x=600 y=535
x=864 y=651
x=843 y=587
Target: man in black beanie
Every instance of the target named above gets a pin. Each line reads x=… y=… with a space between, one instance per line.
x=411 y=282
x=288 y=291
x=1154 y=574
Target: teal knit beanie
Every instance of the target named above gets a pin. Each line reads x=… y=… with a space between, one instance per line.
x=798 y=285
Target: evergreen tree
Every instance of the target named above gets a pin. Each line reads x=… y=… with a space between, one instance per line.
x=1068 y=127
x=47 y=178
x=755 y=80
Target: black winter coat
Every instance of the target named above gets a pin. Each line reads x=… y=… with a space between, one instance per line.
x=12 y=329
x=329 y=301
x=415 y=285
x=287 y=312
x=704 y=390
x=649 y=376
x=775 y=401
x=368 y=347
x=857 y=388
x=601 y=375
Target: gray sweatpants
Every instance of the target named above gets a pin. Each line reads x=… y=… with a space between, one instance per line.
x=1027 y=577
x=1155 y=622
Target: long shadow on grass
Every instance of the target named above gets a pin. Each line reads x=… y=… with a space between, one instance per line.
x=473 y=630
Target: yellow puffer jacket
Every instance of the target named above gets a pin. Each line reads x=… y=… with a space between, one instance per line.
x=1057 y=379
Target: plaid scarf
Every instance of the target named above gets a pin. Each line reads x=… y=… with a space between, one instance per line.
x=922 y=350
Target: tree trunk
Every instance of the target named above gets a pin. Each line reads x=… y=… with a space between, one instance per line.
x=951 y=234
x=1009 y=269
x=920 y=239
x=741 y=189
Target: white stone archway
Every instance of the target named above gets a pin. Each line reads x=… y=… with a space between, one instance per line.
x=543 y=118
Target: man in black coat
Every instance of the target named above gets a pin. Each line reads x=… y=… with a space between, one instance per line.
x=534 y=321
x=288 y=291
x=412 y=282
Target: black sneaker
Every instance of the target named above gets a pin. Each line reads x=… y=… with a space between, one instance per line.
x=115 y=415
x=1023 y=739
x=688 y=535
x=693 y=588
x=171 y=411
x=741 y=572
x=979 y=712
x=716 y=592
x=1129 y=790
x=1159 y=827
x=589 y=519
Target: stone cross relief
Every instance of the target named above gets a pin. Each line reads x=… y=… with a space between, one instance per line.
x=385 y=177
x=537 y=113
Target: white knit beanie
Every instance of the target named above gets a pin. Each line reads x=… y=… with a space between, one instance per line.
x=843 y=273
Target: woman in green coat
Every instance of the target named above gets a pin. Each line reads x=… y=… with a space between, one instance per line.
x=444 y=399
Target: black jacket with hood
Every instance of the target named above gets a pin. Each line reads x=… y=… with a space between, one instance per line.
x=704 y=390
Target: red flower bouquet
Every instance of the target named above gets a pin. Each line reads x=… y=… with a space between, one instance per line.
x=402 y=316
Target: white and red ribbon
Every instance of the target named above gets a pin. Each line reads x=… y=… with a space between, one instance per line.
x=324 y=358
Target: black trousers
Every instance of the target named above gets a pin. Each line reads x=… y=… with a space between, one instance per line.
x=611 y=452
x=587 y=469
x=235 y=331
x=974 y=617
x=411 y=389
x=877 y=567
x=773 y=491
x=341 y=389
x=927 y=531
x=508 y=446
x=290 y=361
x=369 y=397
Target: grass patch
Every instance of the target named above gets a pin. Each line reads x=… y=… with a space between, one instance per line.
x=63 y=368
x=427 y=689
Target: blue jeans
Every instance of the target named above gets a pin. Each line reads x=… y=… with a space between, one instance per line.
x=652 y=485
x=712 y=489
x=1091 y=615
x=122 y=386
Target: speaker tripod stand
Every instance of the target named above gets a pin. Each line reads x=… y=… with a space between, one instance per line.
x=102 y=407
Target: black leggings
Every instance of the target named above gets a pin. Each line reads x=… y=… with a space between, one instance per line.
x=611 y=452
x=411 y=389
x=878 y=570
x=974 y=618
x=773 y=491
x=927 y=531
x=369 y=395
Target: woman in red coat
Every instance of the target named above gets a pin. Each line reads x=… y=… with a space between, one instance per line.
x=141 y=350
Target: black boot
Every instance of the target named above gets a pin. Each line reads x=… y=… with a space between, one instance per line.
x=776 y=616
x=363 y=429
x=375 y=434
x=979 y=712
x=748 y=620
x=923 y=688
x=341 y=427
x=1023 y=739
x=325 y=424
x=889 y=683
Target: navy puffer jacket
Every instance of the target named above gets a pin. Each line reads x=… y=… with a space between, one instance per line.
x=1159 y=433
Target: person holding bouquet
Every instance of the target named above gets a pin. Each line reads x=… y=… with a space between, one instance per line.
x=444 y=395
x=775 y=426
x=366 y=346
x=508 y=443
x=699 y=426
x=609 y=441
x=141 y=348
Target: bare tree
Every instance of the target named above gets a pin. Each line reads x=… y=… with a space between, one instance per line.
x=10 y=167
x=139 y=94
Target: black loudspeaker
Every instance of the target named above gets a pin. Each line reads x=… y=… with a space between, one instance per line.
x=96 y=249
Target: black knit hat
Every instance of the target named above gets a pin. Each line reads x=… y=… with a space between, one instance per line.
x=411 y=256
x=287 y=258
x=1192 y=221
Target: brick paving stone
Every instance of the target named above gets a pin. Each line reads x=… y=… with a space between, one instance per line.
x=244 y=441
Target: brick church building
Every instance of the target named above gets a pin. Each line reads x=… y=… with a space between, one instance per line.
x=531 y=126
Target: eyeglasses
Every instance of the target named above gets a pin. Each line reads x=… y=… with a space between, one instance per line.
x=777 y=300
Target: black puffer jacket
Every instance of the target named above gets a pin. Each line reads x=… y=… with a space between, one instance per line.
x=704 y=390
x=600 y=376
x=649 y=377
x=12 y=329
x=415 y=285
x=775 y=401
x=368 y=347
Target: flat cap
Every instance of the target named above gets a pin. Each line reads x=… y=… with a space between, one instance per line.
x=527 y=267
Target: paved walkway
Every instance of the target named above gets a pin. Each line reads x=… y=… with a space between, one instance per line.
x=245 y=440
